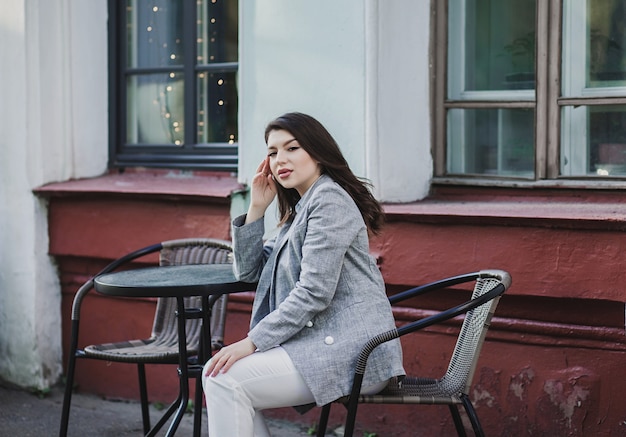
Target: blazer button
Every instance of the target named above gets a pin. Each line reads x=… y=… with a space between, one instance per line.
x=309 y=324
x=329 y=340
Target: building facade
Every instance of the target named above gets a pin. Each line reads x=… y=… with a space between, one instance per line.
x=491 y=130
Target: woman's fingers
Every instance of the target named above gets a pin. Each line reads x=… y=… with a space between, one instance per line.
x=261 y=166
x=271 y=182
x=266 y=167
x=216 y=364
x=226 y=357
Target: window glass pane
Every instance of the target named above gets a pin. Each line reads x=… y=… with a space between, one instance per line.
x=497 y=142
x=594 y=43
x=155 y=109
x=594 y=141
x=217 y=108
x=154 y=33
x=606 y=41
x=175 y=99
x=498 y=45
x=217 y=31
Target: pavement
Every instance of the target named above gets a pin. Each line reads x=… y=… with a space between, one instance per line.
x=26 y=414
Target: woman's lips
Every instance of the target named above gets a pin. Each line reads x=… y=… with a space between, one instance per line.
x=284 y=173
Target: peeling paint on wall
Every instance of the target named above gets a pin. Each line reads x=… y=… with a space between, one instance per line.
x=486 y=390
x=567 y=399
x=520 y=382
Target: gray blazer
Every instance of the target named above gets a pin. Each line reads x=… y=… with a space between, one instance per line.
x=320 y=294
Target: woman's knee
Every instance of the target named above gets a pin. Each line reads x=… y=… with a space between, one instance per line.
x=221 y=381
x=212 y=383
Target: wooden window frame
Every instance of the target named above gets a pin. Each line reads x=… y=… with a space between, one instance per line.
x=547 y=104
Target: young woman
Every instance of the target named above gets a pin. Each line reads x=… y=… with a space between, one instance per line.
x=320 y=295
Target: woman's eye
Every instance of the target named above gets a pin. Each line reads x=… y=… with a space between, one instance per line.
x=291 y=149
x=271 y=154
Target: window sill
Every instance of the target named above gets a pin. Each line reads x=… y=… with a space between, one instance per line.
x=586 y=210
x=216 y=187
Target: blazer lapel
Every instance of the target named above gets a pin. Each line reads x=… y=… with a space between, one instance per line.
x=263 y=305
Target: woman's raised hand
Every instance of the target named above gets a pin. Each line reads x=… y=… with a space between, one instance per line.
x=263 y=189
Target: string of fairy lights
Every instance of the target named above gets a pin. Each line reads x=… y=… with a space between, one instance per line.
x=163 y=40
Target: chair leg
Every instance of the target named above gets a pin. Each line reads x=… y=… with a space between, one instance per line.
x=473 y=417
x=143 y=395
x=351 y=418
x=197 y=410
x=458 y=423
x=69 y=380
x=323 y=422
x=67 y=398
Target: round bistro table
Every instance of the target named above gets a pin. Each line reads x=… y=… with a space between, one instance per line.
x=209 y=281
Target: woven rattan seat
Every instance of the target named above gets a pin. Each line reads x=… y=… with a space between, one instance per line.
x=453 y=387
x=161 y=347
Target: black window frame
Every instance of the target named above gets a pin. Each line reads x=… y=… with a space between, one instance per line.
x=221 y=156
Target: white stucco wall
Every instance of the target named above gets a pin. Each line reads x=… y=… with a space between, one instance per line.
x=360 y=67
x=399 y=121
x=53 y=123
x=301 y=56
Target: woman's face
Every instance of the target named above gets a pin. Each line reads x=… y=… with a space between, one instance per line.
x=291 y=165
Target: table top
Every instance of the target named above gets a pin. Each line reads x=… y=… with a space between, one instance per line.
x=171 y=281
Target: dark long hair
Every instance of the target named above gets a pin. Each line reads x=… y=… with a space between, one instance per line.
x=317 y=141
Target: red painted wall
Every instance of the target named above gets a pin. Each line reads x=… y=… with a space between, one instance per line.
x=553 y=362
x=91 y=222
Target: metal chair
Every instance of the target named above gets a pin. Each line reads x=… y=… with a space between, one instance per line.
x=453 y=388
x=162 y=345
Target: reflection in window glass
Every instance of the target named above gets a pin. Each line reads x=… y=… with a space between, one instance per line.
x=217 y=31
x=217 y=108
x=499 y=44
x=155 y=109
x=606 y=43
x=498 y=142
x=607 y=140
x=594 y=141
x=154 y=33
x=217 y=87
x=155 y=99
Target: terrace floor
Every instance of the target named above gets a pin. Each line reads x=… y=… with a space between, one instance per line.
x=27 y=414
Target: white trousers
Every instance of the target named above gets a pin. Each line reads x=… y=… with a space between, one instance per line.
x=259 y=381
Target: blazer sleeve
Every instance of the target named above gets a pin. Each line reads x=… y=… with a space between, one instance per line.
x=250 y=253
x=332 y=223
